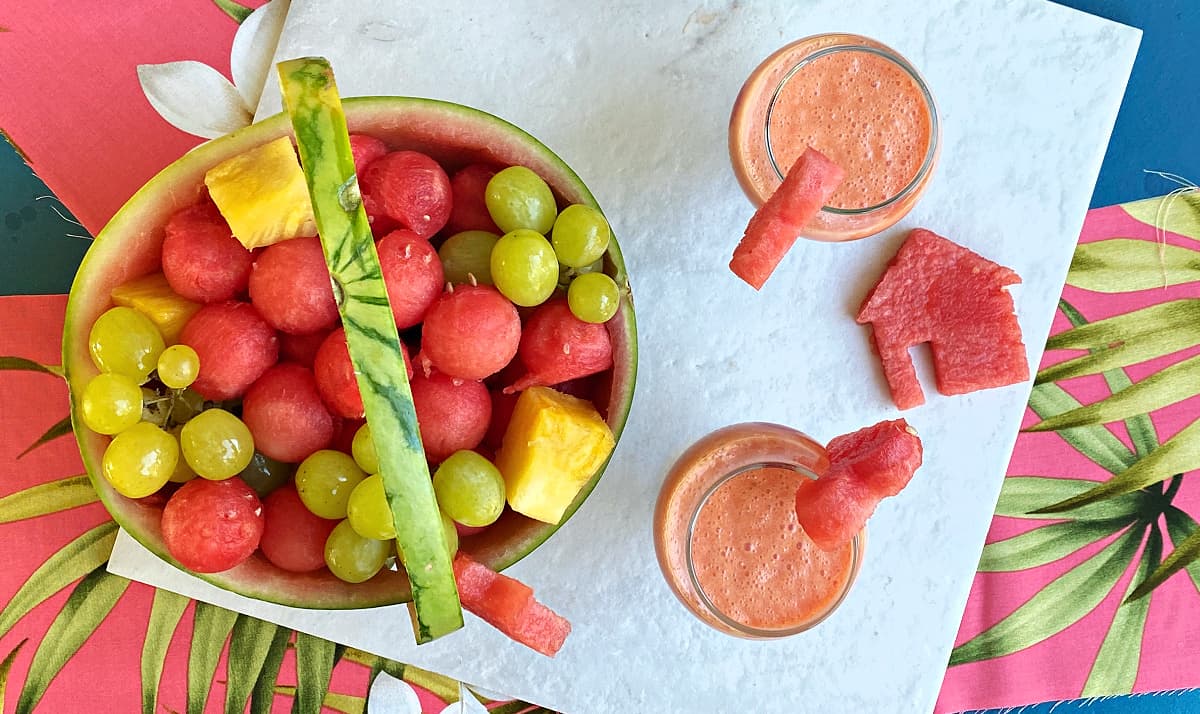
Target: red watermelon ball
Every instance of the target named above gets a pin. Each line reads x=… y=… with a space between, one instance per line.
x=343 y=434
x=235 y=346
x=290 y=286
x=301 y=349
x=335 y=375
x=409 y=188
x=471 y=332
x=832 y=509
x=503 y=406
x=365 y=149
x=294 y=538
x=412 y=274
x=469 y=211
x=210 y=526
x=201 y=259
x=452 y=414
x=285 y=414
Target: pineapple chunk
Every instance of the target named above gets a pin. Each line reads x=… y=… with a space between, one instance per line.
x=553 y=445
x=154 y=298
x=262 y=195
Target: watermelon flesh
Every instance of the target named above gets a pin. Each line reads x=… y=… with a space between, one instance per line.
x=508 y=605
x=865 y=467
x=776 y=225
x=937 y=291
x=883 y=456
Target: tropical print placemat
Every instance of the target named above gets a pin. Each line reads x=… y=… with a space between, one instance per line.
x=1088 y=585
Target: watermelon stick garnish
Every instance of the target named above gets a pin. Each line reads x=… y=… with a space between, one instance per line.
x=781 y=220
x=311 y=99
x=865 y=467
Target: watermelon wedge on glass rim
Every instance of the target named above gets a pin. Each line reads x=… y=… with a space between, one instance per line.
x=129 y=247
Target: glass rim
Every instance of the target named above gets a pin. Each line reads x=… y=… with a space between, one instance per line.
x=856 y=548
x=893 y=57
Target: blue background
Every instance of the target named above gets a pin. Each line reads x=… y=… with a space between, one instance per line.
x=1155 y=130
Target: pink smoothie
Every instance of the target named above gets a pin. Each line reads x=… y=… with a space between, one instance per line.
x=857 y=102
x=864 y=112
x=753 y=561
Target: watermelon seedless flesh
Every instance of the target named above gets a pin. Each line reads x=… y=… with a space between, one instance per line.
x=312 y=102
x=509 y=605
x=864 y=467
x=935 y=290
x=780 y=221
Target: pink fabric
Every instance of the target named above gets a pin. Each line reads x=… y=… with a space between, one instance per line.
x=1058 y=667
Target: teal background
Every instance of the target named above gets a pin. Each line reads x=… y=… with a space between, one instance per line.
x=1154 y=130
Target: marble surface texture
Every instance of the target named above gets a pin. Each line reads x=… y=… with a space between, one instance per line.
x=635 y=97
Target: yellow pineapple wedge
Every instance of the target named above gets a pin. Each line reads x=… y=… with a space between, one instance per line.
x=154 y=298
x=262 y=195
x=553 y=445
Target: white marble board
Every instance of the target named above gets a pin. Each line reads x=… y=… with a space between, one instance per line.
x=636 y=97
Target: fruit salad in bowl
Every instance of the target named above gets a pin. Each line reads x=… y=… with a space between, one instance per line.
x=217 y=376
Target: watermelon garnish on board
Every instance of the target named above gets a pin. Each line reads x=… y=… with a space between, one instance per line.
x=937 y=291
x=865 y=467
x=509 y=605
x=312 y=102
x=780 y=221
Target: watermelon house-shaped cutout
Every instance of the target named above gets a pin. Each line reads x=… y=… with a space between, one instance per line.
x=937 y=291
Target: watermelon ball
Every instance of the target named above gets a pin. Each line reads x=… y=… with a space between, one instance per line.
x=294 y=538
x=301 y=349
x=412 y=274
x=365 y=149
x=291 y=288
x=343 y=434
x=210 y=526
x=557 y=347
x=286 y=415
x=832 y=510
x=471 y=332
x=409 y=188
x=201 y=259
x=335 y=376
x=503 y=405
x=885 y=456
x=452 y=414
x=469 y=211
x=235 y=346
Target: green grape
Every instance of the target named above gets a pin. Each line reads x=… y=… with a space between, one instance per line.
x=126 y=342
x=185 y=405
x=140 y=460
x=468 y=255
x=368 y=510
x=593 y=297
x=325 y=480
x=451 y=533
x=363 y=448
x=264 y=474
x=178 y=366
x=580 y=236
x=469 y=489
x=353 y=558
x=216 y=444
x=182 y=473
x=518 y=198
x=524 y=268
x=111 y=403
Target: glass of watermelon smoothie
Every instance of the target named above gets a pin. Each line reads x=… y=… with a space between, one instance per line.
x=856 y=101
x=728 y=541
